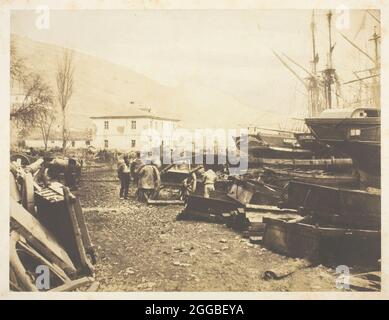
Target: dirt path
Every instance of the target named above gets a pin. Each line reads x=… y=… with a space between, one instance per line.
x=144 y=248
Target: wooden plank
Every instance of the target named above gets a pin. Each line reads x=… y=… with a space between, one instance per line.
x=372 y=275
x=361 y=284
x=28 y=201
x=45 y=192
x=56 y=187
x=266 y=208
x=77 y=232
x=53 y=267
x=99 y=180
x=14 y=190
x=37 y=187
x=41 y=238
x=165 y=202
x=84 y=230
x=24 y=280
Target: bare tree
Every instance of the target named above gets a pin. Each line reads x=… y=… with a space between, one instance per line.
x=45 y=123
x=35 y=95
x=37 y=98
x=65 y=74
x=17 y=68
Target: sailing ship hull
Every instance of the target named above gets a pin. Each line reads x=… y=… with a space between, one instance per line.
x=334 y=130
x=279 y=152
x=281 y=178
x=309 y=142
x=280 y=139
x=357 y=137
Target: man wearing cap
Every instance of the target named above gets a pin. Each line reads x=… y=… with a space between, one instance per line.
x=124 y=177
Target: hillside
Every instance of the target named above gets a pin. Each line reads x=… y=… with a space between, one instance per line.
x=102 y=87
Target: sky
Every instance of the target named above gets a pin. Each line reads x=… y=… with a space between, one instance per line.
x=228 y=50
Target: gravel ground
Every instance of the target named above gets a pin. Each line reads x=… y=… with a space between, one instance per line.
x=144 y=248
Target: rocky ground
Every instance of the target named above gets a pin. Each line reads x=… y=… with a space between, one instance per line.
x=144 y=248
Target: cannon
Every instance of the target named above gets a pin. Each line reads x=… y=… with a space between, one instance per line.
x=67 y=168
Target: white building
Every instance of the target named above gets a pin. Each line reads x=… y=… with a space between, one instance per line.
x=76 y=140
x=123 y=132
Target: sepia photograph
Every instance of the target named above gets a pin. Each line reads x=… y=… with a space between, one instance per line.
x=194 y=150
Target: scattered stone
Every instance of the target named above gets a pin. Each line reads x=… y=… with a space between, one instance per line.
x=146 y=286
x=181 y=264
x=129 y=271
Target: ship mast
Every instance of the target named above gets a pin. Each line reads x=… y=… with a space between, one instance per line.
x=329 y=18
x=314 y=60
x=314 y=108
x=329 y=72
x=375 y=71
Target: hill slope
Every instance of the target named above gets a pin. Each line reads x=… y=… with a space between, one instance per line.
x=102 y=87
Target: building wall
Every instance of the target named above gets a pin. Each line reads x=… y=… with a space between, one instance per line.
x=120 y=133
x=77 y=144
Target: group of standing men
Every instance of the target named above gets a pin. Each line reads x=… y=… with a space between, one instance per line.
x=145 y=176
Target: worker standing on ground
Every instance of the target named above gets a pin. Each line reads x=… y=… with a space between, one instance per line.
x=124 y=176
x=209 y=177
x=136 y=165
x=149 y=181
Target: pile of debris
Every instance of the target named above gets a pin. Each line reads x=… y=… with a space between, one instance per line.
x=50 y=247
x=323 y=224
x=60 y=168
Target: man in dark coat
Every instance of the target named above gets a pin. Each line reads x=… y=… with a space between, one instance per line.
x=136 y=165
x=124 y=177
x=149 y=181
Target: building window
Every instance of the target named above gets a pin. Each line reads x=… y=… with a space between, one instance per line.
x=106 y=125
x=105 y=143
x=133 y=143
x=133 y=124
x=73 y=143
x=87 y=143
x=355 y=132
